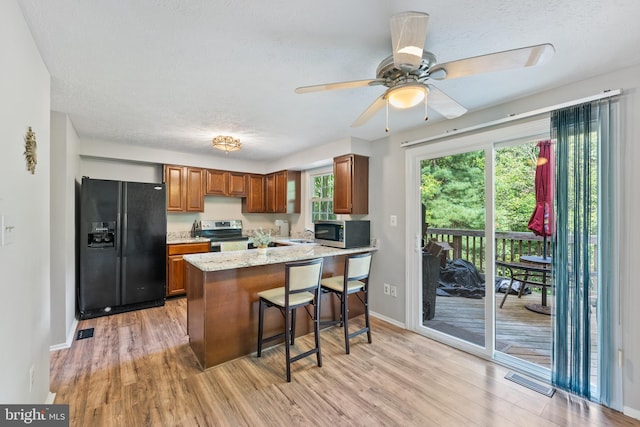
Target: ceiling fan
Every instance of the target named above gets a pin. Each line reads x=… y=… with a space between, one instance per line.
x=408 y=72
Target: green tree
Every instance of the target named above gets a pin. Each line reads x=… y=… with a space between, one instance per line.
x=453 y=189
x=515 y=198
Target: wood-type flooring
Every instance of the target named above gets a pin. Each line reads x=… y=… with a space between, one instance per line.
x=138 y=370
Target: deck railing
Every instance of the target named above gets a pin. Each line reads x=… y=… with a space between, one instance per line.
x=509 y=246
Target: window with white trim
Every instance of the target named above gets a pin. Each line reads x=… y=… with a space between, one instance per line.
x=322 y=196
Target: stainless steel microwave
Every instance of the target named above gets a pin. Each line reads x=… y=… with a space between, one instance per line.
x=343 y=234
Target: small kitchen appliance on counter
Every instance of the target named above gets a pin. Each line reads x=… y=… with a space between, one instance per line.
x=343 y=234
x=218 y=231
x=283 y=226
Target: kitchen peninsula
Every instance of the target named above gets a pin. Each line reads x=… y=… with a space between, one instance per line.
x=222 y=301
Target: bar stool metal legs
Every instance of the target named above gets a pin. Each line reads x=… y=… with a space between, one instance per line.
x=302 y=289
x=354 y=281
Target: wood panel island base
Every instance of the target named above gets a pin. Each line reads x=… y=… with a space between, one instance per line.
x=222 y=300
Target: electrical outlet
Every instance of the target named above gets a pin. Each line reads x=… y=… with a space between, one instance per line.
x=387 y=289
x=394 y=291
x=393 y=220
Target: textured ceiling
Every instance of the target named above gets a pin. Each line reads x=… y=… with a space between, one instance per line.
x=172 y=73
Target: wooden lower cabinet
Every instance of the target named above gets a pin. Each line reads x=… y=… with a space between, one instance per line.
x=176 y=284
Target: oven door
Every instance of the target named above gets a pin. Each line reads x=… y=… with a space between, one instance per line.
x=224 y=245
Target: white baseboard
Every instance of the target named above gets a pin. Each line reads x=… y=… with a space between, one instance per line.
x=51 y=397
x=388 y=319
x=633 y=413
x=70 y=336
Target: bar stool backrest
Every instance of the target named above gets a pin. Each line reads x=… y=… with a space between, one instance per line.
x=358 y=266
x=304 y=276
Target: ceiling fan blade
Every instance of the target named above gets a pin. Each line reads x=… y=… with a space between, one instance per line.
x=444 y=104
x=516 y=58
x=371 y=111
x=408 y=33
x=340 y=85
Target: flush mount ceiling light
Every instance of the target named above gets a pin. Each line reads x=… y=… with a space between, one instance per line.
x=226 y=143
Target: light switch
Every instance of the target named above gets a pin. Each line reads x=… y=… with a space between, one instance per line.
x=7 y=232
x=393 y=220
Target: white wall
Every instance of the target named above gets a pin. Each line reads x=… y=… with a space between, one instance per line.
x=120 y=170
x=131 y=152
x=24 y=200
x=64 y=170
x=389 y=176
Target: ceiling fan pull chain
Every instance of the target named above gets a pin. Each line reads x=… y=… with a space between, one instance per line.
x=426 y=114
x=386 y=129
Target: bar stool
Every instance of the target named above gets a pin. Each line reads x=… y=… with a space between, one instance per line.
x=301 y=289
x=355 y=279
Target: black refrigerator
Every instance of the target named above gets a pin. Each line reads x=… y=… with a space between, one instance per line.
x=123 y=229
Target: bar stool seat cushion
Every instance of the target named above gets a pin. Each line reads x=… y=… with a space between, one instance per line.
x=336 y=283
x=276 y=296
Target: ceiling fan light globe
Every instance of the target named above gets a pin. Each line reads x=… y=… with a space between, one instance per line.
x=407 y=96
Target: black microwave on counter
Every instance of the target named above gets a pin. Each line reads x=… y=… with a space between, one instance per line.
x=343 y=234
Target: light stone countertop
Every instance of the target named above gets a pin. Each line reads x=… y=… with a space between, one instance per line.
x=181 y=240
x=216 y=261
x=282 y=240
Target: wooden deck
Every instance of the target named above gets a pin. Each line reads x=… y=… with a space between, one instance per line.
x=519 y=332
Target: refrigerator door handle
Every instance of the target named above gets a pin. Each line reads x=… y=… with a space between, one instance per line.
x=125 y=219
x=119 y=278
x=125 y=227
x=119 y=228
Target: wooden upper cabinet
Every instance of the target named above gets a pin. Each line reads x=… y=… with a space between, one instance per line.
x=270 y=193
x=237 y=184
x=225 y=183
x=217 y=182
x=277 y=192
x=254 y=200
x=282 y=192
x=292 y=192
x=185 y=188
x=175 y=178
x=351 y=184
x=195 y=190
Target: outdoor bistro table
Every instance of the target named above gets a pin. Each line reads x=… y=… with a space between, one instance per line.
x=531 y=270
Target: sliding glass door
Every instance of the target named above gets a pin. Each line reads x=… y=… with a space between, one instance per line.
x=465 y=195
x=453 y=258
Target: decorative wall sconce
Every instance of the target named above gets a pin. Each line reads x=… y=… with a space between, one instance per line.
x=30 y=150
